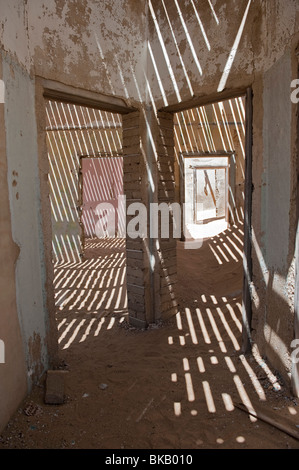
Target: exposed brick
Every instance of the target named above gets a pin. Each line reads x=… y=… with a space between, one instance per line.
x=135 y=272
x=55 y=387
x=132 y=131
x=169 y=280
x=134 y=281
x=163 y=115
x=131 y=141
x=164 y=150
x=165 y=123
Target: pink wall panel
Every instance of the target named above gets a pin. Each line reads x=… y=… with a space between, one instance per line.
x=102 y=183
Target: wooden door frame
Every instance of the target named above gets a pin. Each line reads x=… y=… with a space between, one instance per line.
x=247 y=252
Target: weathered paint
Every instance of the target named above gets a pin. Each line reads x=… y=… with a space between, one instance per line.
x=139 y=53
x=24 y=197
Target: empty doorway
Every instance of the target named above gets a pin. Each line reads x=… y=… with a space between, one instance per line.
x=213 y=174
x=85 y=172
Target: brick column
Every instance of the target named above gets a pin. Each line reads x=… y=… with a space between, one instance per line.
x=136 y=191
x=148 y=149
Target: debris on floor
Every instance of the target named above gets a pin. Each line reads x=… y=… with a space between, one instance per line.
x=55 y=387
x=32 y=409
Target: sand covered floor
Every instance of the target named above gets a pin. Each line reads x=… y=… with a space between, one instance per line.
x=172 y=386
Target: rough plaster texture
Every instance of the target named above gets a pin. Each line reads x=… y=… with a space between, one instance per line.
x=14 y=31
x=88 y=44
x=211 y=34
x=13 y=385
x=197 y=46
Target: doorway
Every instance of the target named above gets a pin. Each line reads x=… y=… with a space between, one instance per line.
x=210 y=193
x=207 y=182
x=86 y=171
x=102 y=211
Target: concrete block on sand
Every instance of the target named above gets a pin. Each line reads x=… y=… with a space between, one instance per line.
x=55 y=387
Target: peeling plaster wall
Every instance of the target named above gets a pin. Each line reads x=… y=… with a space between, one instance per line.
x=278 y=329
x=144 y=53
x=23 y=184
x=84 y=43
x=197 y=44
x=14 y=31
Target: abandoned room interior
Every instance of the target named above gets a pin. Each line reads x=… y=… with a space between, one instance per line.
x=149 y=224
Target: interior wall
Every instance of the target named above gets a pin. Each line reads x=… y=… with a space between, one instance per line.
x=147 y=54
x=275 y=329
x=24 y=193
x=103 y=213
x=204 y=49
